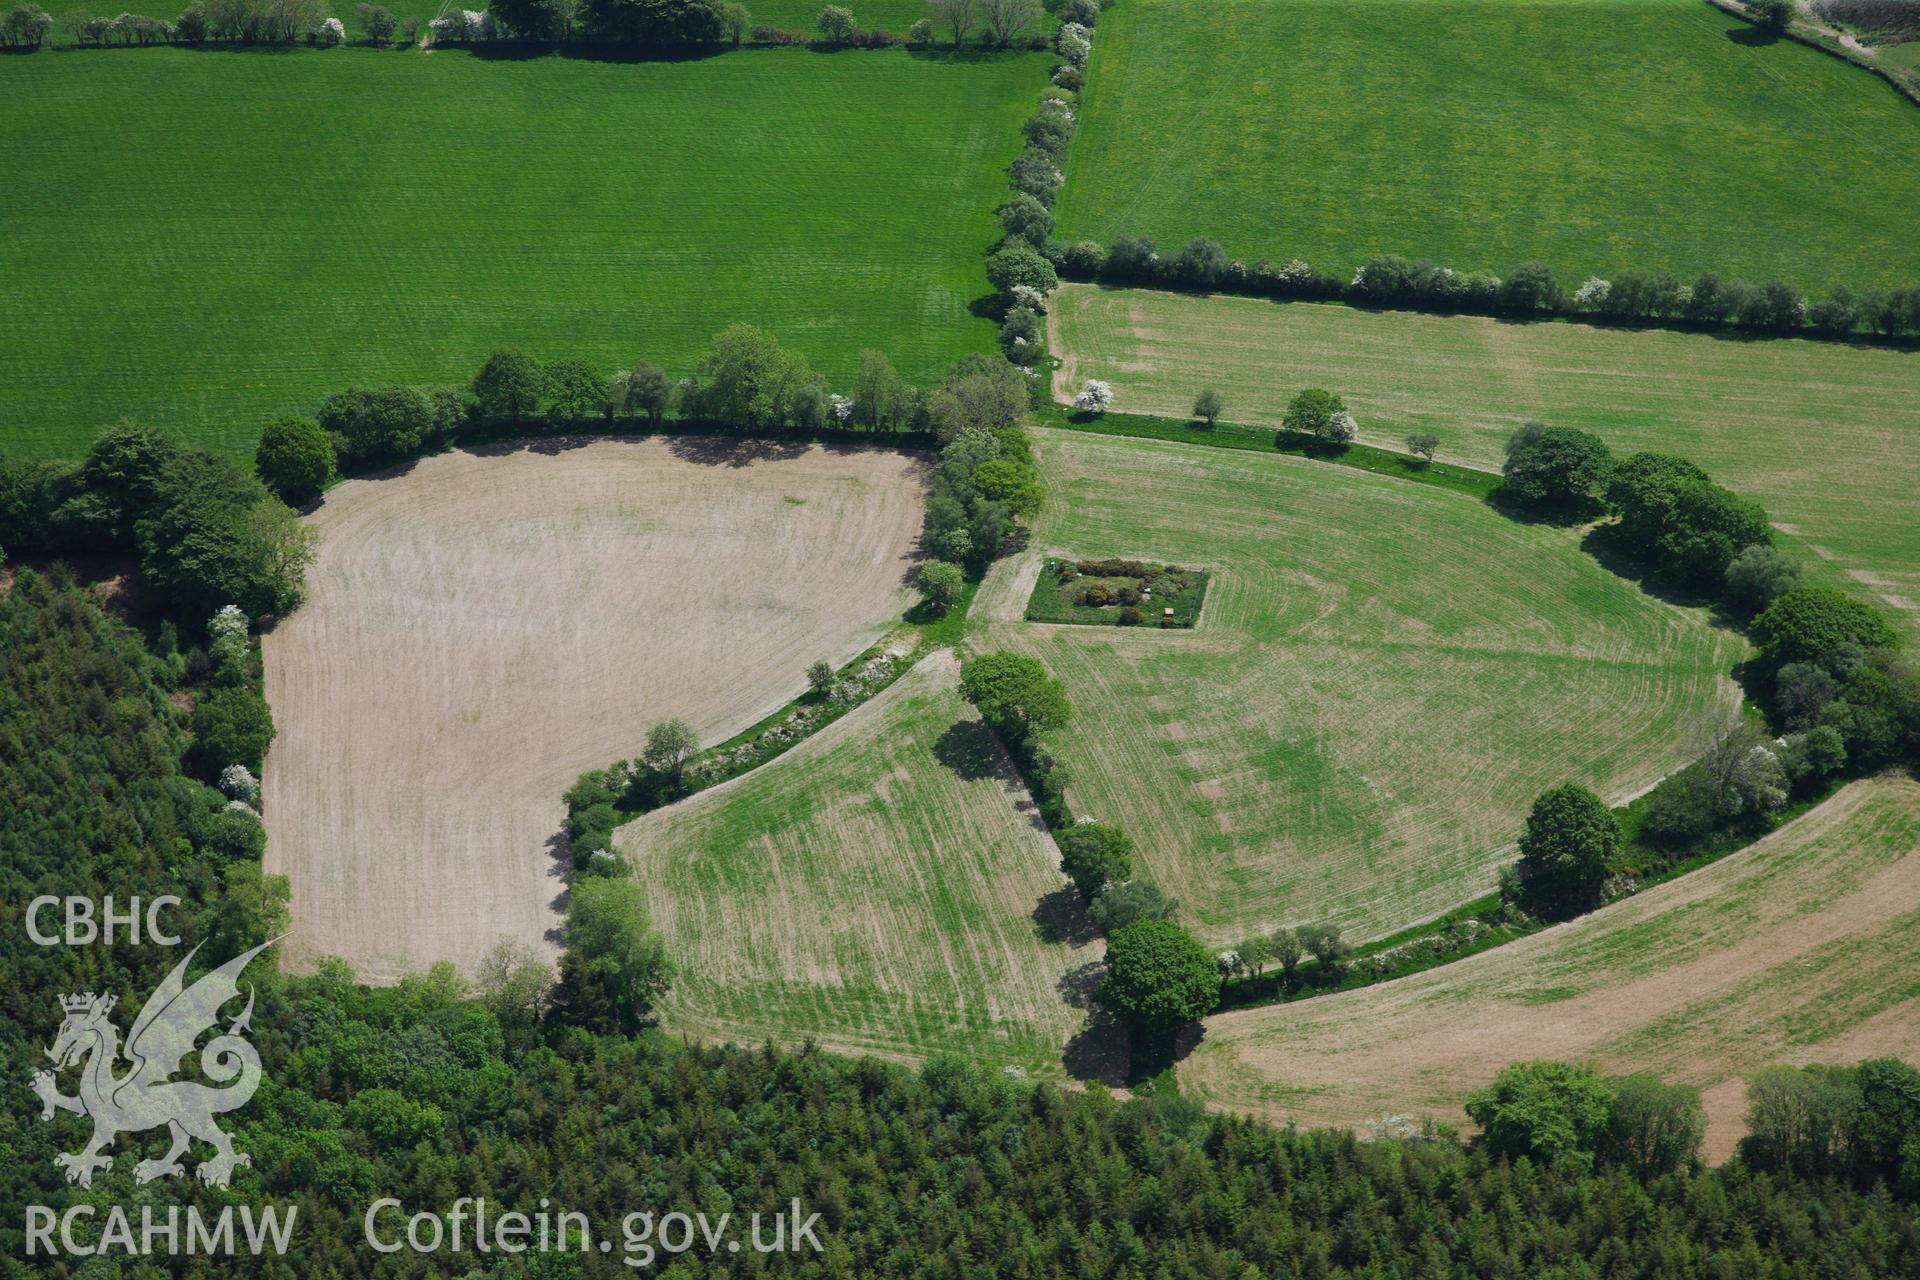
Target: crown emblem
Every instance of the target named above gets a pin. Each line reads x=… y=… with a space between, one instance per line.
x=86 y=1001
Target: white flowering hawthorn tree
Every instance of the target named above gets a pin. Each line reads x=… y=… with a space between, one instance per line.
x=1341 y=427
x=1025 y=295
x=1295 y=272
x=238 y=783
x=1075 y=42
x=1592 y=293
x=1096 y=398
x=227 y=636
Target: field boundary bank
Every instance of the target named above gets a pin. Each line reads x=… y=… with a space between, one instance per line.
x=633 y=792
x=1469 y=481
x=1832 y=47
x=1250 y=285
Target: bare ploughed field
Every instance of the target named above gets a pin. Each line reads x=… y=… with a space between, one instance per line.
x=1801 y=948
x=487 y=625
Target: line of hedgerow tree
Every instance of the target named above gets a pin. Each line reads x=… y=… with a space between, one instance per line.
x=630 y=24
x=1018 y=267
x=1841 y=697
x=1633 y=296
x=746 y=383
x=1159 y=977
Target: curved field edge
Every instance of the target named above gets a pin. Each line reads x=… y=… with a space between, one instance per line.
x=205 y=240
x=485 y=626
x=1823 y=434
x=1685 y=141
x=1802 y=948
x=884 y=887
x=1383 y=678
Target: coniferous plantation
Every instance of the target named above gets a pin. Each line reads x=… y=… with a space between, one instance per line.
x=602 y=673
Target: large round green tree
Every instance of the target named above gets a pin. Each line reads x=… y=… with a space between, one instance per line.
x=1570 y=841
x=1159 y=977
x=1014 y=694
x=1094 y=855
x=1542 y=1110
x=294 y=459
x=1813 y=624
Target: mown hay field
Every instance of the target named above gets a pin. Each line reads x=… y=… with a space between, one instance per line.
x=1595 y=136
x=1802 y=948
x=486 y=626
x=874 y=890
x=1383 y=677
x=205 y=239
x=1826 y=435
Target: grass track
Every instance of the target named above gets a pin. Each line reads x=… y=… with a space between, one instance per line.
x=205 y=239
x=1383 y=677
x=1481 y=133
x=871 y=890
x=1827 y=436
x=1803 y=948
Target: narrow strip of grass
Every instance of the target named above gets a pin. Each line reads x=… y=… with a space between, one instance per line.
x=1361 y=457
x=1248 y=993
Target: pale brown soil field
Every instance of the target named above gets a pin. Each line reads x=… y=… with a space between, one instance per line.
x=1802 y=948
x=873 y=891
x=482 y=629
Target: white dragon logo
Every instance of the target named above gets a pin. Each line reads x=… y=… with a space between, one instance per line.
x=145 y=1098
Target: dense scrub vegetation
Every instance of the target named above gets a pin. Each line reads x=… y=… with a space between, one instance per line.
x=206 y=533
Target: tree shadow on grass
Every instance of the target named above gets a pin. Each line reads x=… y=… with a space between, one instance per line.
x=988 y=306
x=968 y=748
x=1100 y=1052
x=1752 y=37
x=1602 y=542
x=734 y=451
x=1060 y=918
x=1079 y=987
x=1557 y=517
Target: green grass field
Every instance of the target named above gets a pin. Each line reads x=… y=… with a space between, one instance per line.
x=1384 y=677
x=208 y=238
x=1803 y=948
x=872 y=890
x=1481 y=133
x=1827 y=436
